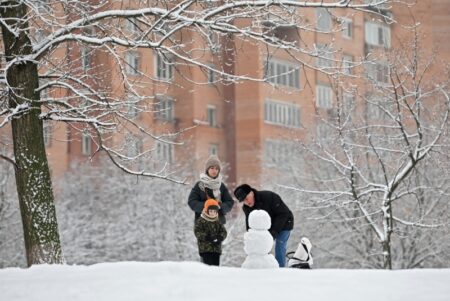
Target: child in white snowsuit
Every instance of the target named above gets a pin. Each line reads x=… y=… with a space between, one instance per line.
x=210 y=233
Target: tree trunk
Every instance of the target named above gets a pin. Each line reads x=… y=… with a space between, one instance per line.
x=387 y=255
x=34 y=186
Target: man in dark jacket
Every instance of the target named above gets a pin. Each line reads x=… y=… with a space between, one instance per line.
x=282 y=218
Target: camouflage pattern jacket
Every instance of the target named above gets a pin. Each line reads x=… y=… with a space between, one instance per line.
x=210 y=233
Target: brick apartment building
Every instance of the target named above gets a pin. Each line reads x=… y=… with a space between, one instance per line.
x=247 y=121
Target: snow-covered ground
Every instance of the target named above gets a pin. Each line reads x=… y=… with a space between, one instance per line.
x=165 y=281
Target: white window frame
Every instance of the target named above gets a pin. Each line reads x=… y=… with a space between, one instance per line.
x=378 y=72
x=131 y=106
x=322 y=130
x=213 y=41
x=325 y=57
x=324 y=96
x=323 y=19
x=348 y=100
x=133 y=146
x=85 y=58
x=211 y=115
x=163 y=67
x=132 y=61
x=48 y=132
x=213 y=149
x=164 y=151
x=164 y=108
x=211 y=75
x=347 y=28
x=282 y=113
x=347 y=64
x=377 y=34
x=86 y=144
x=278 y=153
x=283 y=73
x=131 y=26
x=375 y=112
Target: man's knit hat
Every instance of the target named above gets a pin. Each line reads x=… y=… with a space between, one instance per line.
x=242 y=191
x=211 y=204
x=213 y=160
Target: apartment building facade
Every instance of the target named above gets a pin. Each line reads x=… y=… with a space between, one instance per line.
x=244 y=122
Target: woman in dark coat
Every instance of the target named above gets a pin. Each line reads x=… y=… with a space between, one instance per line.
x=211 y=186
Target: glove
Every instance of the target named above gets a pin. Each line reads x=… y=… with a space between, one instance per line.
x=213 y=239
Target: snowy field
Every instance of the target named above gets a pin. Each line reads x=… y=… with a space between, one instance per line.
x=161 y=281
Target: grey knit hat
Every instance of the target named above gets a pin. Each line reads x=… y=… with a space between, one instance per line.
x=213 y=160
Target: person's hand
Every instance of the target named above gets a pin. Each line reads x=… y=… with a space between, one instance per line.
x=211 y=238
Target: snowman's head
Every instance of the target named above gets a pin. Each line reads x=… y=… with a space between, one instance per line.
x=259 y=220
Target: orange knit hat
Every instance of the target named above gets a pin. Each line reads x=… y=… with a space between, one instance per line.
x=211 y=204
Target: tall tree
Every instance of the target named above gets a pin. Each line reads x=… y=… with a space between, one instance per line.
x=378 y=162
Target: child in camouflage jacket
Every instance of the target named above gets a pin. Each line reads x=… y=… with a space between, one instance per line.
x=210 y=233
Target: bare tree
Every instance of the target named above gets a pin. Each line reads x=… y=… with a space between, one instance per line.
x=42 y=41
x=378 y=166
x=108 y=215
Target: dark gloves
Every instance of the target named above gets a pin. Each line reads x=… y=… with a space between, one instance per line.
x=213 y=239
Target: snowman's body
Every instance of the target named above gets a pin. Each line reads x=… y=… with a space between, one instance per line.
x=258 y=242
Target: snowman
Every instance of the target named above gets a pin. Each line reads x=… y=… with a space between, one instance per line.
x=258 y=242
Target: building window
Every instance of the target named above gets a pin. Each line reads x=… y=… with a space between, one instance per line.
x=376 y=112
x=279 y=153
x=48 y=132
x=377 y=34
x=132 y=109
x=211 y=115
x=164 y=151
x=132 y=63
x=133 y=146
x=211 y=76
x=325 y=56
x=324 y=98
x=164 y=108
x=280 y=113
x=323 y=132
x=347 y=61
x=378 y=72
x=164 y=67
x=323 y=19
x=85 y=58
x=348 y=101
x=213 y=149
x=282 y=73
x=213 y=41
x=86 y=144
x=347 y=28
x=131 y=26
x=42 y=6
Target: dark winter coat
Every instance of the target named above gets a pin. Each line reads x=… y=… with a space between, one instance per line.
x=282 y=218
x=198 y=197
x=210 y=235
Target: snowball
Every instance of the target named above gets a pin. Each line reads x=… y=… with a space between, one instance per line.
x=259 y=220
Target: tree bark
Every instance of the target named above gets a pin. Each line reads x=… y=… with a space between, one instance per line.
x=387 y=254
x=33 y=181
